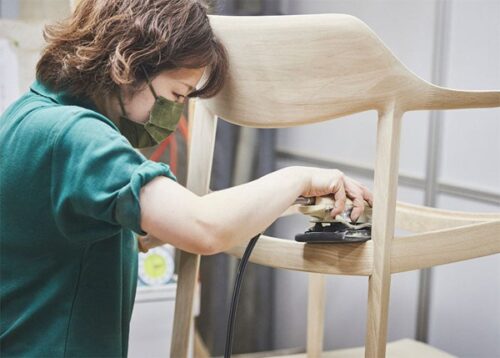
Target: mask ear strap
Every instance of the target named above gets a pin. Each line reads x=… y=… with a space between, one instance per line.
x=149 y=82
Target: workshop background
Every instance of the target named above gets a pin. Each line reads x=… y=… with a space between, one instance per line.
x=449 y=159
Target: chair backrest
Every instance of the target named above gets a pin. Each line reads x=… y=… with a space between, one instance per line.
x=293 y=70
x=298 y=69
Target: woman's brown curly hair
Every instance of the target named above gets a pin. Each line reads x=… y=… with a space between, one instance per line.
x=104 y=43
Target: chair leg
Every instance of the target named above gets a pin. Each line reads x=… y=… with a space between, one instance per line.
x=315 y=315
x=183 y=317
x=384 y=208
x=378 y=307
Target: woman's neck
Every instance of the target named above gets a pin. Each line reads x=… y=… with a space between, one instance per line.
x=108 y=107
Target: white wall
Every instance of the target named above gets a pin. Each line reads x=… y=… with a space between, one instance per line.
x=465 y=315
x=9 y=9
x=465 y=304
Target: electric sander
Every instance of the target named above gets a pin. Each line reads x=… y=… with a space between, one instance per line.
x=327 y=229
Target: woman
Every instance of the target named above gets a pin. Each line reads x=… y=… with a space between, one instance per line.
x=115 y=76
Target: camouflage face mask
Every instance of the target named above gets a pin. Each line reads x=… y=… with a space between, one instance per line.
x=163 y=119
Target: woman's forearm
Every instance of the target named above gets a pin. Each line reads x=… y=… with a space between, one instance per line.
x=216 y=221
x=240 y=212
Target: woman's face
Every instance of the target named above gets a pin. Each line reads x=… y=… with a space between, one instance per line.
x=174 y=85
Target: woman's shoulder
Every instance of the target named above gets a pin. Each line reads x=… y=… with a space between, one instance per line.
x=84 y=128
x=77 y=126
x=59 y=111
x=33 y=112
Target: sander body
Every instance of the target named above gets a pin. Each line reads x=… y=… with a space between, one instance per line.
x=327 y=229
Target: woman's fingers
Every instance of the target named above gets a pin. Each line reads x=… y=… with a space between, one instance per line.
x=339 y=196
x=368 y=196
x=358 y=203
x=358 y=208
x=358 y=193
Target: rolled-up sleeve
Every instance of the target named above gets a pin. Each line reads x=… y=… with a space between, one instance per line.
x=96 y=179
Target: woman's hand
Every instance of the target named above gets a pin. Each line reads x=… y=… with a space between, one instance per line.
x=332 y=181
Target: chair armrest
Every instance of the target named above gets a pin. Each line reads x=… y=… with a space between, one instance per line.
x=431 y=97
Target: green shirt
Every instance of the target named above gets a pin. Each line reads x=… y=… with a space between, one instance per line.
x=69 y=201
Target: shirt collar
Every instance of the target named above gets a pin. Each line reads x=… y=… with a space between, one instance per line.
x=60 y=97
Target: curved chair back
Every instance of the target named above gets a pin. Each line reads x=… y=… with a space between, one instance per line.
x=298 y=69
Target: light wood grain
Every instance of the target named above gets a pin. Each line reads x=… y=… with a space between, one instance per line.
x=417 y=218
x=384 y=210
x=316 y=303
x=200 y=160
x=445 y=246
x=299 y=69
x=345 y=259
x=404 y=348
x=408 y=252
x=183 y=315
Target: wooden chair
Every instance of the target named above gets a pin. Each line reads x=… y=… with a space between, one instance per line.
x=299 y=69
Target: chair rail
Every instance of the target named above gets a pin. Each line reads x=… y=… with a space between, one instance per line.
x=418 y=218
x=445 y=246
x=450 y=241
x=341 y=259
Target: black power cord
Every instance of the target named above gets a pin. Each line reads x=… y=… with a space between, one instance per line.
x=236 y=295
